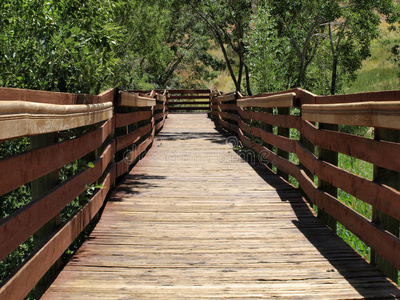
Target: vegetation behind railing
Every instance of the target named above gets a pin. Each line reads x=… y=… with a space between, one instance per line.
x=79 y=146
x=296 y=134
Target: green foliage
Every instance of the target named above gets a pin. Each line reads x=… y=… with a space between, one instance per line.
x=11 y=202
x=15 y=199
x=57 y=45
x=89 y=46
x=314 y=44
x=228 y=23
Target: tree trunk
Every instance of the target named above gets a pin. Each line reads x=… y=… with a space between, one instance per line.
x=228 y=64
x=334 y=75
x=246 y=69
x=240 y=75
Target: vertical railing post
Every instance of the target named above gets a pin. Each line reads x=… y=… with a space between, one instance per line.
x=38 y=188
x=392 y=179
x=268 y=128
x=332 y=158
x=306 y=98
x=283 y=131
x=309 y=146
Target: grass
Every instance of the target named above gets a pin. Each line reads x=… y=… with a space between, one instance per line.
x=379 y=72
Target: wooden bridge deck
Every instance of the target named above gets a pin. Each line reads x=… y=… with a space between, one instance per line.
x=192 y=220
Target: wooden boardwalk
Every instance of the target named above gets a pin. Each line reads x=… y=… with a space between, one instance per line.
x=192 y=220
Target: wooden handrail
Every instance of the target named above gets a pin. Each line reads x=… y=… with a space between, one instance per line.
x=280 y=100
x=120 y=127
x=123 y=125
x=134 y=100
x=382 y=113
x=19 y=118
x=370 y=114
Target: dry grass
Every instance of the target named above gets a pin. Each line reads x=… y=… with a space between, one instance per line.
x=379 y=72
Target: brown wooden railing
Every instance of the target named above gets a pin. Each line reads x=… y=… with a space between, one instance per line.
x=109 y=132
x=262 y=124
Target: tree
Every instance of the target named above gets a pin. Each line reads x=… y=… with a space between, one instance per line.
x=350 y=35
x=228 y=22
x=328 y=40
x=57 y=45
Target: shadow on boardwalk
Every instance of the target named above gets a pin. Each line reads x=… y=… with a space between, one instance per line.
x=193 y=220
x=361 y=274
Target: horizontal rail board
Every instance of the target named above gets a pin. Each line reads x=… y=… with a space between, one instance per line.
x=286 y=121
x=122 y=120
x=379 y=196
x=189 y=97
x=359 y=97
x=159 y=125
x=134 y=100
x=12 y=94
x=380 y=153
x=281 y=100
x=371 y=114
x=36 y=266
x=19 y=118
x=123 y=166
x=189 y=91
x=281 y=142
x=232 y=107
x=188 y=103
x=226 y=98
x=14 y=168
x=159 y=107
x=229 y=116
x=355 y=185
x=158 y=116
x=20 y=225
x=175 y=108
x=131 y=138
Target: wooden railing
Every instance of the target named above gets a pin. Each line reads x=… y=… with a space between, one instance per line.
x=262 y=124
x=185 y=100
x=108 y=132
x=111 y=131
x=189 y=100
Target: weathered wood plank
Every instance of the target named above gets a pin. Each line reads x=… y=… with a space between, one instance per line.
x=193 y=220
x=122 y=120
x=134 y=100
x=281 y=100
x=370 y=114
x=17 y=227
x=11 y=94
x=381 y=153
x=359 y=97
x=131 y=138
x=172 y=103
x=268 y=118
x=188 y=97
x=227 y=98
x=19 y=118
x=189 y=91
x=37 y=265
x=23 y=168
x=188 y=108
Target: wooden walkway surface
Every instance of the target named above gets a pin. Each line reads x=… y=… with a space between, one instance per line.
x=192 y=220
